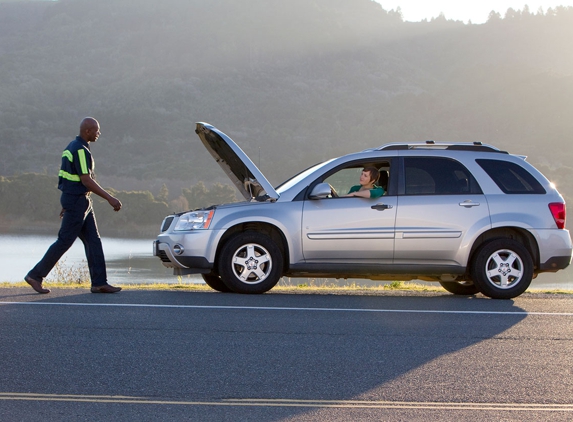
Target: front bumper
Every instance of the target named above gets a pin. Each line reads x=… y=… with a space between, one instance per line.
x=189 y=264
x=189 y=252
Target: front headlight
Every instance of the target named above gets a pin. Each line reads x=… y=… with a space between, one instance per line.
x=194 y=220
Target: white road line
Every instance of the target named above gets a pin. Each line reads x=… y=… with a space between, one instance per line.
x=349 y=404
x=283 y=308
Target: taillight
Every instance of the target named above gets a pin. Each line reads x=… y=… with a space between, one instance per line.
x=558 y=211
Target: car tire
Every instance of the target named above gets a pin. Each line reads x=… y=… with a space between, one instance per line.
x=462 y=288
x=502 y=269
x=215 y=282
x=250 y=262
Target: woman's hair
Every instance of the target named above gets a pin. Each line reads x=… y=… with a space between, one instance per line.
x=374 y=173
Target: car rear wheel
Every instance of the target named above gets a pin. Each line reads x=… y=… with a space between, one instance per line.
x=502 y=269
x=250 y=262
x=464 y=288
x=215 y=282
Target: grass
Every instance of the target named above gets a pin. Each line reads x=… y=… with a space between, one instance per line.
x=311 y=287
x=77 y=277
x=69 y=274
x=314 y=285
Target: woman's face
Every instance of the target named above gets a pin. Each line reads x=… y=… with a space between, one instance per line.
x=365 y=178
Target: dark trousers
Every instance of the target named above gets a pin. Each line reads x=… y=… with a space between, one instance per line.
x=78 y=221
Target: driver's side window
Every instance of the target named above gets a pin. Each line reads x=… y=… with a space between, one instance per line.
x=344 y=179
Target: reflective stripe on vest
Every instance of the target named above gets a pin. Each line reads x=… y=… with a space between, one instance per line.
x=83 y=162
x=71 y=177
x=68 y=155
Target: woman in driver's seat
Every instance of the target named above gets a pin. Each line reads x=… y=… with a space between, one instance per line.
x=367 y=187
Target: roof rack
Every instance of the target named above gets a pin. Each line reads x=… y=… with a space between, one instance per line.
x=459 y=146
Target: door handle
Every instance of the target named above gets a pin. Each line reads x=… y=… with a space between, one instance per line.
x=468 y=203
x=381 y=207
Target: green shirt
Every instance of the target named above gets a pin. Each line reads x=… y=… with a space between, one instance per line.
x=376 y=192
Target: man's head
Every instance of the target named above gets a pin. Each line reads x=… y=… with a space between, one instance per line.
x=89 y=129
x=373 y=174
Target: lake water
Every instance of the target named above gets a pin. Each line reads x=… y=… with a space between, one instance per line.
x=128 y=260
x=131 y=261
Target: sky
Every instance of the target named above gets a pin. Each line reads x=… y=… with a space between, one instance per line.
x=464 y=10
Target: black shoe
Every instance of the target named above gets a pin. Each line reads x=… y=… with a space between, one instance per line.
x=106 y=288
x=36 y=285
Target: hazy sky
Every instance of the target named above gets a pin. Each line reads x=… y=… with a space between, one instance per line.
x=475 y=10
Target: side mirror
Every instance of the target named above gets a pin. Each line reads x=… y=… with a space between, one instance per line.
x=321 y=191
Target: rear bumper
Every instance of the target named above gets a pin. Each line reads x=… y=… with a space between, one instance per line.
x=555 y=249
x=555 y=264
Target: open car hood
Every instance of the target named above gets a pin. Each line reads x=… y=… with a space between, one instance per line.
x=236 y=164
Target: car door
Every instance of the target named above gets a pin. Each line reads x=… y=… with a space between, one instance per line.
x=440 y=207
x=340 y=230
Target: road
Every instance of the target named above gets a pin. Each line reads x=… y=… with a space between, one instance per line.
x=168 y=355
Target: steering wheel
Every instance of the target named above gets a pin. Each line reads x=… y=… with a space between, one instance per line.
x=333 y=192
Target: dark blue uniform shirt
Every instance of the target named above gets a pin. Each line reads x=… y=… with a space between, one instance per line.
x=76 y=161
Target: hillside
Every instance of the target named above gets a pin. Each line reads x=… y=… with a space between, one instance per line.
x=292 y=82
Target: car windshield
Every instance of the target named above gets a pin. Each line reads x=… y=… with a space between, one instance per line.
x=300 y=176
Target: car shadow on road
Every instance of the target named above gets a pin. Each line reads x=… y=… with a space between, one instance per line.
x=217 y=347
x=373 y=348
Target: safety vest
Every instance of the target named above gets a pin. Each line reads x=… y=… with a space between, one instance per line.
x=76 y=161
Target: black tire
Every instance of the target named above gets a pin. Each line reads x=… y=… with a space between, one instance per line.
x=463 y=288
x=502 y=269
x=215 y=282
x=250 y=262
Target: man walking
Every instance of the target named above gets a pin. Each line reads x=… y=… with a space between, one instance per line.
x=76 y=181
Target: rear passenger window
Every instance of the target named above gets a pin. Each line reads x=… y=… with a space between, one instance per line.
x=510 y=177
x=437 y=176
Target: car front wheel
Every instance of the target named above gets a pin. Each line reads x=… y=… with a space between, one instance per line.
x=250 y=262
x=502 y=269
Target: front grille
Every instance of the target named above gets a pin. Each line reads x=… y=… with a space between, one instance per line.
x=163 y=256
x=166 y=223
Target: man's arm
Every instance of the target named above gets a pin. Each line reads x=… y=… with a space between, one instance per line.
x=94 y=187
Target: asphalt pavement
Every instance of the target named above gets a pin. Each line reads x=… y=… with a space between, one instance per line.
x=175 y=355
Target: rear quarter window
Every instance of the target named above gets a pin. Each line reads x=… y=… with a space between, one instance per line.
x=511 y=178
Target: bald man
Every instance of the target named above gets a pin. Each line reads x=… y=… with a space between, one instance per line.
x=77 y=182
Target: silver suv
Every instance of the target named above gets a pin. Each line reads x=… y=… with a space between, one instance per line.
x=467 y=215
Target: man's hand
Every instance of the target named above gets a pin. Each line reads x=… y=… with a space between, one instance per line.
x=62 y=213
x=115 y=203
x=94 y=187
